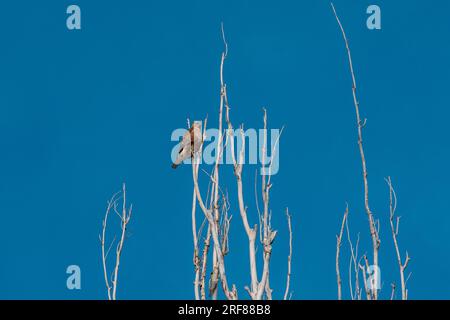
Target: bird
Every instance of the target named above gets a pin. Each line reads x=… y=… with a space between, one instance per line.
x=190 y=144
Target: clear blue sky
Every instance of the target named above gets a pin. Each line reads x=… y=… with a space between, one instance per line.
x=83 y=111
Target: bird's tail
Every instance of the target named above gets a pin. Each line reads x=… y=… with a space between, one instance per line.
x=174 y=165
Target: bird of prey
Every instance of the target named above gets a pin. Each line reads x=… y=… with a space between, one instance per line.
x=190 y=144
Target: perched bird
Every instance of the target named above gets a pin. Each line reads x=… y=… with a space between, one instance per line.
x=190 y=144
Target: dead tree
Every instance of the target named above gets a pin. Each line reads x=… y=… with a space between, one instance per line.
x=215 y=208
x=355 y=266
x=124 y=214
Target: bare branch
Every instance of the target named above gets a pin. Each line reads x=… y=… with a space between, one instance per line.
x=393 y=291
x=102 y=242
x=364 y=272
x=268 y=234
x=251 y=232
x=288 y=278
x=338 y=247
x=354 y=263
x=360 y=125
x=256 y=195
x=214 y=232
x=215 y=194
x=394 y=229
x=204 y=263
x=110 y=246
x=198 y=281
x=125 y=217
x=196 y=259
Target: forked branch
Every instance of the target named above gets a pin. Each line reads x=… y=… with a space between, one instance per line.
x=394 y=229
x=124 y=214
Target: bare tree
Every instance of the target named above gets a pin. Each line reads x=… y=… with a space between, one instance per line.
x=124 y=214
x=371 y=291
x=394 y=229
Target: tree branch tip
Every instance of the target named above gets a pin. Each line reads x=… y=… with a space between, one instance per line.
x=225 y=53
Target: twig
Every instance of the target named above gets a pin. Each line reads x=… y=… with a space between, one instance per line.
x=338 y=249
x=256 y=198
x=393 y=291
x=394 y=229
x=354 y=263
x=126 y=216
x=288 y=278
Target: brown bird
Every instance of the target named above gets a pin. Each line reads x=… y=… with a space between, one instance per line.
x=190 y=144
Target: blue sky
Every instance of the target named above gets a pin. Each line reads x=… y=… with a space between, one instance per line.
x=83 y=111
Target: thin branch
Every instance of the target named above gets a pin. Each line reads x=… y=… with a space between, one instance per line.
x=204 y=263
x=338 y=249
x=256 y=196
x=268 y=291
x=354 y=263
x=196 y=258
x=360 y=125
x=110 y=246
x=394 y=229
x=393 y=291
x=370 y=290
x=215 y=194
x=126 y=215
x=288 y=278
x=251 y=232
x=214 y=232
x=268 y=234
x=102 y=242
x=273 y=150
x=364 y=272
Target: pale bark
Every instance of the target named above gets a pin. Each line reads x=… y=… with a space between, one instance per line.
x=219 y=221
x=338 y=250
x=360 y=125
x=394 y=229
x=125 y=216
x=288 y=277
